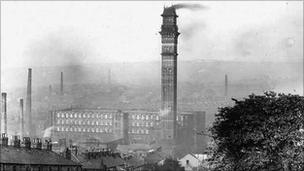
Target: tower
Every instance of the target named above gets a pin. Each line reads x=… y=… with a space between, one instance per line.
x=28 y=109
x=61 y=83
x=169 y=35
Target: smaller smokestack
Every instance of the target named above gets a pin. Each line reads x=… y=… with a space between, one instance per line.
x=61 y=83
x=16 y=141
x=50 y=90
x=226 y=85
x=4 y=108
x=4 y=140
x=28 y=108
x=27 y=142
x=21 y=118
x=109 y=78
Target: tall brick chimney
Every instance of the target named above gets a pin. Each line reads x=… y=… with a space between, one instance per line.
x=4 y=108
x=226 y=85
x=21 y=118
x=28 y=109
x=169 y=37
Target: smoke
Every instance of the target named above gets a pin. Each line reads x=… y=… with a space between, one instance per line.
x=48 y=132
x=188 y=6
x=63 y=47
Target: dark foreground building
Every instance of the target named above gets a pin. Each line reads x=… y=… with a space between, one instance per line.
x=32 y=157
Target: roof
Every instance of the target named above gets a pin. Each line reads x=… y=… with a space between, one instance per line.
x=155 y=157
x=16 y=155
x=99 y=161
x=169 y=11
x=133 y=147
x=135 y=162
x=199 y=157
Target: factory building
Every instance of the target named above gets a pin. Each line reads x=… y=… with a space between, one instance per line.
x=131 y=126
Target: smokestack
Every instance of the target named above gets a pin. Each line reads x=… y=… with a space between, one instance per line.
x=29 y=102
x=50 y=90
x=109 y=78
x=226 y=85
x=61 y=83
x=4 y=108
x=21 y=119
x=125 y=126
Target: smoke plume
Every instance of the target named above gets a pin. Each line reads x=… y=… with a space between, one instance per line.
x=192 y=7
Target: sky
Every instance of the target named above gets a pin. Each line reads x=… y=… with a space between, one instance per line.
x=49 y=33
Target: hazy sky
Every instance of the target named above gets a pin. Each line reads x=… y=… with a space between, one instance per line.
x=60 y=33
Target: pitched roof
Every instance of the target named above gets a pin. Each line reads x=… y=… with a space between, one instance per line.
x=99 y=161
x=14 y=155
x=154 y=157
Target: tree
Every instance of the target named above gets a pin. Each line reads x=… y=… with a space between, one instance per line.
x=261 y=132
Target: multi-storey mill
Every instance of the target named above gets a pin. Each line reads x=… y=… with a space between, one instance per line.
x=169 y=36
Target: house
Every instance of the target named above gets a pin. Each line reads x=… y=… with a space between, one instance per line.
x=28 y=157
x=194 y=162
x=100 y=161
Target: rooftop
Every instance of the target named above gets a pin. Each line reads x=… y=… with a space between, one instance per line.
x=20 y=155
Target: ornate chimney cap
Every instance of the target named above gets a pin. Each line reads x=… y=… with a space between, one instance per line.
x=169 y=11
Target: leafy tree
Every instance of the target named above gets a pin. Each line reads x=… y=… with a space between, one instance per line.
x=261 y=132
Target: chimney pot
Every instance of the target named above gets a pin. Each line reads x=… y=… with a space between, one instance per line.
x=68 y=154
x=27 y=142
x=4 y=140
x=38 y=144
x=48 y=145
x=16 y=141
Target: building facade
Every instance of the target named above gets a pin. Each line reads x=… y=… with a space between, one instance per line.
x=105 y=125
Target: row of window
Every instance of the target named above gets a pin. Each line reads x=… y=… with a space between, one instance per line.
x=139 y=131
x=144 y=117
x=77 y=129
x=85 y=115
x=142 y=124
x=82 y=122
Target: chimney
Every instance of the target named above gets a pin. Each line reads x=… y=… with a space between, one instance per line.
x=125 y=126
x=50 y=90
x=4 y=108
x=21 y=119
x=48 y=145
x=68 y=154
x=29 y=103
x=16 y=141
x=226 y=85
x=38 y=143
x=109 y=78
x=27 y=142
x=4 y=140
x=61 y=83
